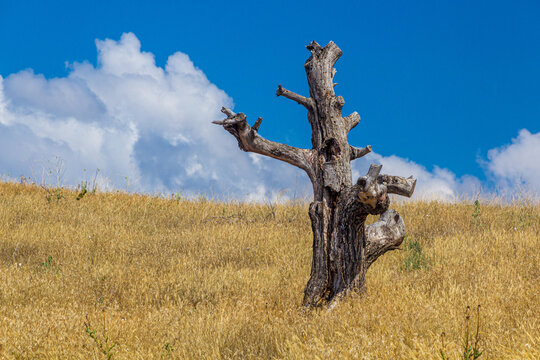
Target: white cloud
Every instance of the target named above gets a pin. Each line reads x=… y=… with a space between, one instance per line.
x=516 y=167
x=512 y=169
x=150 y=128
x=140 y=124
x=439 y=184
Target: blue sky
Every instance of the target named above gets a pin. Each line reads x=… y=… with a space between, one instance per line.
x=443 y=88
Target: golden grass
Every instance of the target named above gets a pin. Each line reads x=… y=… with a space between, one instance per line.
x=207 y=280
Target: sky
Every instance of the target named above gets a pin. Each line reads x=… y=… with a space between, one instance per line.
x=448 y=91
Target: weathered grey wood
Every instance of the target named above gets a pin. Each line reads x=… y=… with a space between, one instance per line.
x=343 y=248
x=255 y=127
x=302 y=100
x=398 y=185
x=352 y=120
x=358 y=153
x=384 y=235
x=249 y=140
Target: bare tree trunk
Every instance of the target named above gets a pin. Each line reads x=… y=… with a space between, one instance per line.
x=343 y=249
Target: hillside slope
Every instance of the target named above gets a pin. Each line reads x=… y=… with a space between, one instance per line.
x=205 y=280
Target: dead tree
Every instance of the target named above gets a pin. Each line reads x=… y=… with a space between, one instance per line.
x=343 y=248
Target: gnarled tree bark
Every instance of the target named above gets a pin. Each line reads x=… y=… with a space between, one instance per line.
x=343 y=248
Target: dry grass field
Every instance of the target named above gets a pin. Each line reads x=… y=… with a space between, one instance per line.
x=175 y=279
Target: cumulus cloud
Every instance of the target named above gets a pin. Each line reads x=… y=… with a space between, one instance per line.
x=148 y=128
x=439 y=184
x=516 y=167
x=511 y=169
x=141 y=125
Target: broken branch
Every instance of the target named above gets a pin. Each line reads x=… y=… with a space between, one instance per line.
x=250 y=141
x=372 y=175
x=398 y=185
x=352 y=120
x=357 y=153
x=302 y=100
x=227 y=112
x=255 y=127
x=384 y=235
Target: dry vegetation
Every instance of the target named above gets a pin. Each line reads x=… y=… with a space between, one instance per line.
x=175 y=279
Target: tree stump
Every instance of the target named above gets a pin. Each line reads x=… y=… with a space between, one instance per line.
x=343 y=248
